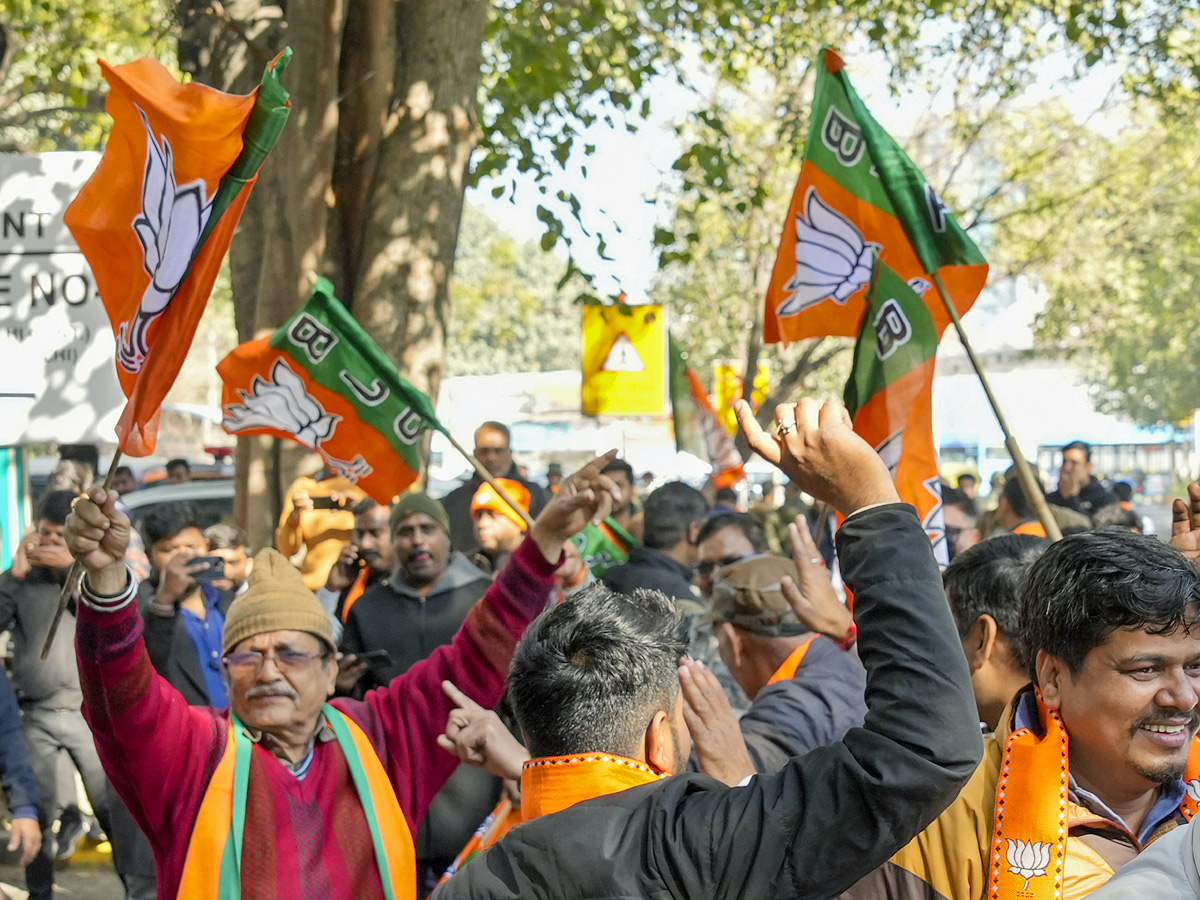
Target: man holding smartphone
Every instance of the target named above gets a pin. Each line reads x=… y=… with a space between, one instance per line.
x=184 y=612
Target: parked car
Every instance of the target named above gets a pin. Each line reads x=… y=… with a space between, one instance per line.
x=212 y=499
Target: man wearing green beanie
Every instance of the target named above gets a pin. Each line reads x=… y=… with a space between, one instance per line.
x=289 y=794
x=418 y=607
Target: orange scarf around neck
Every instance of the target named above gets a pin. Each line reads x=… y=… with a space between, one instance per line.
x=1029 y=831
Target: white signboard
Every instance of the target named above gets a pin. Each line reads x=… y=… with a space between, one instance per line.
x=57 y=377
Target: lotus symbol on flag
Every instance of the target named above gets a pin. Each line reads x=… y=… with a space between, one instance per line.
x=168 y=228
x=832 y=259
x=283 y=404
x=1028 y=859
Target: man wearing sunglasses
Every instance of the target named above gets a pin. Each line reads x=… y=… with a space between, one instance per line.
x=290 y=795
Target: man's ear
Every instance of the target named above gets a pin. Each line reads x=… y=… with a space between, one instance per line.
x=1051 y=671
x=734 y=638
x=693 y=532
x=660 y=743
x=980 y=643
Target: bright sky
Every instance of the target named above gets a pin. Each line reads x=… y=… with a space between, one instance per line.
x=627 y=175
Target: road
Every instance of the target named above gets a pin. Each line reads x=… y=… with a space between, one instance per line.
x=88 y=874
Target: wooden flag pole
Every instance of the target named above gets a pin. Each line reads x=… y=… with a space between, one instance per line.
x=1024 y=472
x=74 y=572
x=487 y=476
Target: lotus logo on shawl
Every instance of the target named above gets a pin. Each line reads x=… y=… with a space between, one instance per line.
x=1192 y=789
x=832 y=259
x=168 y=228
x=1029 y=859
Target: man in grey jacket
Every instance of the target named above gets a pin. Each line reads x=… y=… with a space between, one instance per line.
x=409 y=614
x=50 y=698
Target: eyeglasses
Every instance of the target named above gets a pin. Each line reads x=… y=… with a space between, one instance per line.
x=286 y=660
x=705 y=569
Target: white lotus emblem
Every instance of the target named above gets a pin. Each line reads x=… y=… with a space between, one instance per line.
x=284 y=404
x=1029 y=859
x=168 y=228
x=832 y=259
x=1192 y=789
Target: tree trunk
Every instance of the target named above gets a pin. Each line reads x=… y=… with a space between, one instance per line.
x=411 y=230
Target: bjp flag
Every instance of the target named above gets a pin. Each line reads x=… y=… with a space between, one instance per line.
x=323 y=382
x=859 y=196
x=156 y=218
x=889 y=395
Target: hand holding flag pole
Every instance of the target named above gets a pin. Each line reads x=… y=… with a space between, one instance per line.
x=75 y=571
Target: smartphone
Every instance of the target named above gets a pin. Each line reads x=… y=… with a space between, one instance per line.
x=214 y=572
x=325 y=503
x=380 y=658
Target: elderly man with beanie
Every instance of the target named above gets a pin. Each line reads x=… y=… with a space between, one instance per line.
x=417 y=608
x=289 y=794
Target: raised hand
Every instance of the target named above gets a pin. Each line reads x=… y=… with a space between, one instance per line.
x=716 y=736
x=816 y=447
x=587 y=496
x=1185 y=524
x=97 y=534
x=477 y=736
x=811 y=593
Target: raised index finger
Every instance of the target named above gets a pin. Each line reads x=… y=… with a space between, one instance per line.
x=459 y=698
x=1181 y=519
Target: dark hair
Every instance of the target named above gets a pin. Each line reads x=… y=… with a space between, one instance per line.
x=590 y=673
x=168 y=519
x=1079 y=445
x=88 y=454
x=56 y=506
x=668 y=512
x=747 y=524
x=990 y=578
x=1086 y=586
x=1116 y=516
x=124 y=470
x=727 y=496
x=1123 y=491
x=176 y=463
x=365 y=505
x=966 y=476
x=1015 y=494
x=619 y=465
x=224 y=537
x=960 y=501
x=499 y=428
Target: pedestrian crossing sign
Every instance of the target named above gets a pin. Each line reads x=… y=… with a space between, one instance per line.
x=624 y=359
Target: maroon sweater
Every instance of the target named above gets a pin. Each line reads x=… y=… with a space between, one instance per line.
x=303 y=838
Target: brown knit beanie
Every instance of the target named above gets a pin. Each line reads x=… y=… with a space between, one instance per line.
x=416 y=502
x=277 y=599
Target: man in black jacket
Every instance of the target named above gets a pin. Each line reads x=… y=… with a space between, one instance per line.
x=494 y=450
x=828 y=817
x=1078 y=488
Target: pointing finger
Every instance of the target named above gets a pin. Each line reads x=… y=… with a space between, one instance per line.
x=460 y=699
x=764 y=444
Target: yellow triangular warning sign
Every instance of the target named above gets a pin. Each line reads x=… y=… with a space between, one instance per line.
x=623 y=357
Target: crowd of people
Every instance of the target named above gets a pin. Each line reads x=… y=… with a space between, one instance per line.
x=597 y=689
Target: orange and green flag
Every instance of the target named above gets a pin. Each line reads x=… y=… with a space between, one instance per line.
x=321 y=381
x=698 y=430
x=889 y=395
x=155 y=219
x=859 y=196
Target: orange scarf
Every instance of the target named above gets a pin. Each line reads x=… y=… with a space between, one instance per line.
x=791 y=665
x=1029 y=832
x=551 y=784
x=212 y=868
x=356 y=590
